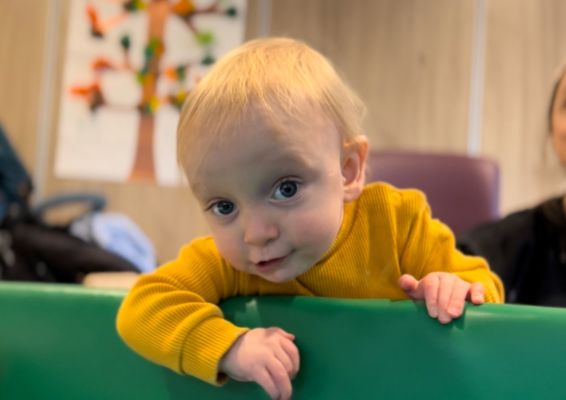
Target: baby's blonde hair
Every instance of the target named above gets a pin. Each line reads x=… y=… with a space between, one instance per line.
x=281 y=79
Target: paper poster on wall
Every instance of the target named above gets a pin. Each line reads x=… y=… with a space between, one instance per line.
x=128 y=67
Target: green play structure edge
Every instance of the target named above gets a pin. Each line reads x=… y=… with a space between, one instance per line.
x=59 y=342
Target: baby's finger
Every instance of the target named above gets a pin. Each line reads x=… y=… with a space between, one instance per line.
x=264 y=379
x=285 y=360
x=293 y=354
x=458 y=299
x=430 y=286
x=281 y=379
x=410 y=285
x=445 y=288
x=280 y=331
x=477 y=295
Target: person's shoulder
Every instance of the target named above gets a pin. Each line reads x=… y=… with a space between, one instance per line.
x=507 y=243
x=518 y=227
x=515 y=222
x=202 y=248
x=387 y=195
x=552 y=211
x=386 y=206
x=390 y=192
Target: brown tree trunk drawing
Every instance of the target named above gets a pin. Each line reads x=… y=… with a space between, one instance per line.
x=144 y=167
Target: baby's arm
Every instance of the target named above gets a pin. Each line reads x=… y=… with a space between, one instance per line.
x=266 y=356
x=171 y=317
x=433 y=270
x=444 y=293
x=172 y=322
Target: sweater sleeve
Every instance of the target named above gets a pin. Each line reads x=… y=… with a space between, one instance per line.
x=171 y=316
x=428 y=245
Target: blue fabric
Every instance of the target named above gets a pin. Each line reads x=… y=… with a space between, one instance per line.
x=118 y=234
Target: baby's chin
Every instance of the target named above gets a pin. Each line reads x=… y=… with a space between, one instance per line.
x=274 y=277
x=282 y=276
x=278 y=279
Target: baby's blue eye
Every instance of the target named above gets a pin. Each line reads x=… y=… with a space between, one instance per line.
x=223 y=207
x=286 y=190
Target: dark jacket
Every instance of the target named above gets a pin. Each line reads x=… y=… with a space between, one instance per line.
x=527 y=249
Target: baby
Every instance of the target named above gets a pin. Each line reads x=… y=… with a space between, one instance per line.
x=272 y=146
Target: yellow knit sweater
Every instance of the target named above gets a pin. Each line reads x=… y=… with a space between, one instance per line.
x=171 y=317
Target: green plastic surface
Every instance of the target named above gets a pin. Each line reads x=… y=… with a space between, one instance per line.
x=59 y=342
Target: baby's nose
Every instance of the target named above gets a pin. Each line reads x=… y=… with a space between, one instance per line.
x=259 y=230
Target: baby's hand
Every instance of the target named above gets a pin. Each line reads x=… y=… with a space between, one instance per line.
x=266 y=356
x=444 y=294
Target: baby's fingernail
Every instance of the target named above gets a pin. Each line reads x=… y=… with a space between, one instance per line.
x=454 y=311
x=433 y=312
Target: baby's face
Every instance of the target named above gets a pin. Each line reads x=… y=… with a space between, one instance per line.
x=273 y=201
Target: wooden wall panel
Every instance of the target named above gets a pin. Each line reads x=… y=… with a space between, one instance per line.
x=22 y=30
x=526 y=43
x=409 y=60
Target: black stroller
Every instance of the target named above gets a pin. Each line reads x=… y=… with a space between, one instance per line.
x=33 y=250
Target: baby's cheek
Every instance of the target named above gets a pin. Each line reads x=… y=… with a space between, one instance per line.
x=229 y=249
x=319 y=229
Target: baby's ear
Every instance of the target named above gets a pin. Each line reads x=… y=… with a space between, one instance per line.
x=354 y=167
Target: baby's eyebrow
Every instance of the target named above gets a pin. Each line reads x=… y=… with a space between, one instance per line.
x=295 y=158
x=198 y=189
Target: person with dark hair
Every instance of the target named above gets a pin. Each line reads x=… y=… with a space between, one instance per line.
x=527 y=249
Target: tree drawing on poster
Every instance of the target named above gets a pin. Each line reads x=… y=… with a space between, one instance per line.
x=129 y=65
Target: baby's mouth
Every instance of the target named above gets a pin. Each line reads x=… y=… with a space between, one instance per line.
x=271 y=263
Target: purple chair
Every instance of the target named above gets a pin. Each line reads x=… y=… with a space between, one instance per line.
x=462 y=191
